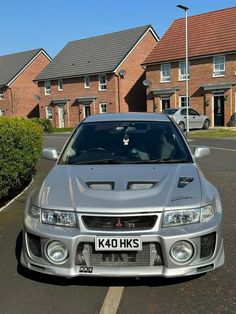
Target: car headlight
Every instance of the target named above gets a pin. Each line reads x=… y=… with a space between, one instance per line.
x=187 y=216
x=53 y=217
x=58 y=217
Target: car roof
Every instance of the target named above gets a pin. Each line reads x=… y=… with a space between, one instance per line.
x=137 y=116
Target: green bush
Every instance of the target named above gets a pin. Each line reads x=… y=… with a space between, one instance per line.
x=46 y=124
x=20 y=148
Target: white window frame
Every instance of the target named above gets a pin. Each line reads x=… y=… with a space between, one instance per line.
x=1 y=93
x=218 y=66
x=183 y=99
x=102 y=82
x=103 y=106
x=49 y=113
x=182 y=70
x=86 y=82
x=47 y=88
x=165 y=72
x=60 y=86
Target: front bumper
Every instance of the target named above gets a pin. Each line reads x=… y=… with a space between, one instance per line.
x=206 y=239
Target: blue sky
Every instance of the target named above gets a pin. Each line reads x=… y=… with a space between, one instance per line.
x=51 y=24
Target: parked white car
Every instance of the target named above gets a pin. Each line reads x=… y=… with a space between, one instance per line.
x=196 y=120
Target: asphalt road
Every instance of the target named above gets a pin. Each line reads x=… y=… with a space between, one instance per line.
x=215 y=292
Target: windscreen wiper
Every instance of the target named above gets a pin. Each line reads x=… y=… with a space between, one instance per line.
x=97 y=162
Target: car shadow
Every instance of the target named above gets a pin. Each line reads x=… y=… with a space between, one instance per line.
x=92 y=280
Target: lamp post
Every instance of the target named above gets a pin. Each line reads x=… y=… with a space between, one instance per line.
x=186 y=64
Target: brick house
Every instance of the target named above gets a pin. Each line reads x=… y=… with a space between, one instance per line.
x=96 y=75
x=17 y=89
x=212 y=66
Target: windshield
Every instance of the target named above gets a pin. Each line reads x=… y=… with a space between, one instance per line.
x=169 y=111
x=126 y=142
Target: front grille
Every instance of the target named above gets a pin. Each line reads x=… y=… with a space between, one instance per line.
x=34 y=244
x=119 y=222
x=150 y=255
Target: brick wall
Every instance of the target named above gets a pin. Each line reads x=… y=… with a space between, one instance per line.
x=19 y=96
x=132 y=90
x=122 y=94
x=74 y=88
x=201 y=73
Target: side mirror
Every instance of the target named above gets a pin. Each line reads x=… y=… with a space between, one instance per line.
x=50 y=153
x=201 y=151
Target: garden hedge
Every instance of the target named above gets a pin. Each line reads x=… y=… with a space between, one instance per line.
x=20 y=148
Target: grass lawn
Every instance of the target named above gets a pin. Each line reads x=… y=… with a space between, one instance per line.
x=213 y=133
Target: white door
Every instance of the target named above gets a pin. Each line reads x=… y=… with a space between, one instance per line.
x=61 y=117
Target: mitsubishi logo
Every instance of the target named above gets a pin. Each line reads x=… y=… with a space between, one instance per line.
x=119 y=223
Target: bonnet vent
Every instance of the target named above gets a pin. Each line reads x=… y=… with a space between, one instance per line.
x=101 y=185
x=140 y=185
x=183 y=181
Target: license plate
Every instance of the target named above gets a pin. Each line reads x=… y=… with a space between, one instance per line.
x=118 y=244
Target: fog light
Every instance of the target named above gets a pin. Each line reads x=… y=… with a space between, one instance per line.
x=57 y=252
x=182 y=251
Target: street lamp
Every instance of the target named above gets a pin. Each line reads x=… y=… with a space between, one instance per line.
x=186 y=64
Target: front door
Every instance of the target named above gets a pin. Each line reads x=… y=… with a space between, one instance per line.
x=165 y=102
x=87 y=111
x=61 y=117
x=219 y=110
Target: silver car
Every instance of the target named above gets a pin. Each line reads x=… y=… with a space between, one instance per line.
x=196 y=120
x=125 y=198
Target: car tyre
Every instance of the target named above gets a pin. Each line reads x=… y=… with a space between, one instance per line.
x=182 y=126
x=206 y=124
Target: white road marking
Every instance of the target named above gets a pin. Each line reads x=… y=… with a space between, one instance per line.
x=112 y=300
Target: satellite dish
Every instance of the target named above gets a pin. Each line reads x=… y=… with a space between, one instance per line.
x=146 y=83
x=122 y=73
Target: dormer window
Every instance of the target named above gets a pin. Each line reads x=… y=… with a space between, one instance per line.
x=47 y=88
x=218 y=66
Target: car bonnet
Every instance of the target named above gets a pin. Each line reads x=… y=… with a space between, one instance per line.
x=121 y=188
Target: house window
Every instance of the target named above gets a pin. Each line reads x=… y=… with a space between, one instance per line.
x=47 y=88
x=60 y=85
x=103 y=108
x=182 y=71
x=165 y=72
x=86 y=82
x=102 y=82
x=86 y=110
x=49 y=113
x=1 y=93
x=182 y=101
x=218 y=65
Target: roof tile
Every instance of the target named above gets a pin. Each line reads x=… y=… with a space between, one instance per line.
x=208 y=33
